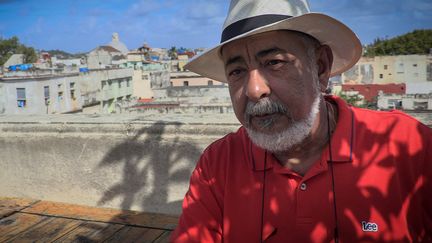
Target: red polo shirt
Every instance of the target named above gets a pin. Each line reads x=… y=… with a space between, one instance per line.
x=382 y=163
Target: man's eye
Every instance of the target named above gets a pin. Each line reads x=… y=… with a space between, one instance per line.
x=274 y=62
x=234 y=72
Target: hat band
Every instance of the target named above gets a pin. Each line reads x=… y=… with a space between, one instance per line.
x=248 y=24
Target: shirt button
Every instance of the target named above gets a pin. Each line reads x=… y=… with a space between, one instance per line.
x=303 y=187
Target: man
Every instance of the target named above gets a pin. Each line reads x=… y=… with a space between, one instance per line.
x=304 y=167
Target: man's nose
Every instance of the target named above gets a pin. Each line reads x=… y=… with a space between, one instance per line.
x=257 y=86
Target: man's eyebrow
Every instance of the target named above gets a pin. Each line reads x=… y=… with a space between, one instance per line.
x=233 y=60
x=273 y=50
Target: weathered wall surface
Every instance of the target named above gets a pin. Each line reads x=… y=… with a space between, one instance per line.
x=128 y=164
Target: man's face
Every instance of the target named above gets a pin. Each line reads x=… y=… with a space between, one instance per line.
x=273 y=86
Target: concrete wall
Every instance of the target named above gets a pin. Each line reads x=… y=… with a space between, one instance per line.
x=195 y=94
x=419 y=88
x=103 y=161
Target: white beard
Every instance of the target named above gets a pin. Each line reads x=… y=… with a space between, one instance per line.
x=294 y=135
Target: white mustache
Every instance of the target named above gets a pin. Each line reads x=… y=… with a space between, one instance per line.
x=264 y=106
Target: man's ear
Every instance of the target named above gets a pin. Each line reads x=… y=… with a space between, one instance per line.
x=324 y=57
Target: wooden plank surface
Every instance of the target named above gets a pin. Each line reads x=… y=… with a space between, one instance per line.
x=104 y=215
x=13 y=225
x=11 y=205
x=41 y=221
x=91 y=232
x=47 y=231
x=135 y=234
x=164 y=238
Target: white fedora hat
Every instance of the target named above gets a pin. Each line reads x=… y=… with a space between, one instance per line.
x=250 y=17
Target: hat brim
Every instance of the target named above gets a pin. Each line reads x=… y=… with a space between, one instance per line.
x=345 y=45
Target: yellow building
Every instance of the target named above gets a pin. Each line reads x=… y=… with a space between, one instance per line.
x=390 y=69
x=182 y=60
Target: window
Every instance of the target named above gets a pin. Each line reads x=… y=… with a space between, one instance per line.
x=104 y=85
x=128 y=83
x=415 y=65
x=59 y=92
x=72 y=90
x=210 y=82
x=46 y=94
x=185 y=83
x=60 y=95
x=381 y=76
x=145 y=77
x=385 y=67
x=21 y=97
x=119 y=84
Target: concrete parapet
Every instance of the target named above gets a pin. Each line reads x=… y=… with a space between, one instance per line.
x=125 y=163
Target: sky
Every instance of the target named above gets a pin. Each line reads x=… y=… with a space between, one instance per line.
x=82 y=25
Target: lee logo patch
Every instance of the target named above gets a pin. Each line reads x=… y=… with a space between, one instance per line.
x=369 y=226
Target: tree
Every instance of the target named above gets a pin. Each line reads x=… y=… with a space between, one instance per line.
x=11 y=46
x=415 y=42
x=7 y=48
x=29 y=54
x=172 y=53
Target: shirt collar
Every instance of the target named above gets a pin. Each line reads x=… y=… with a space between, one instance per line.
x=342 y=140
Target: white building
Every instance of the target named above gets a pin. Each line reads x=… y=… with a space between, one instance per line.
x=49 y=94
x=43 y=92
x=104 y=57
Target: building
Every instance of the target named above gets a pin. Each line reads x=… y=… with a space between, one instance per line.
x=191 y=79
x=15 y=59
x=116 y=89
x=147 y=74
x=71 y=62
x=369 y=92
x=409 y=102
x=182 y=61
x=390 y=69
x=189 y=92
x=117 y=44
x=55 y=91
x=104 y=57
x=39 y=94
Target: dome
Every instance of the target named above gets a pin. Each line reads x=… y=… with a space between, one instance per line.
x=117 y=44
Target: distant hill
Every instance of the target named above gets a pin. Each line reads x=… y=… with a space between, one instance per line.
x=415 y=42
x=63 y=55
